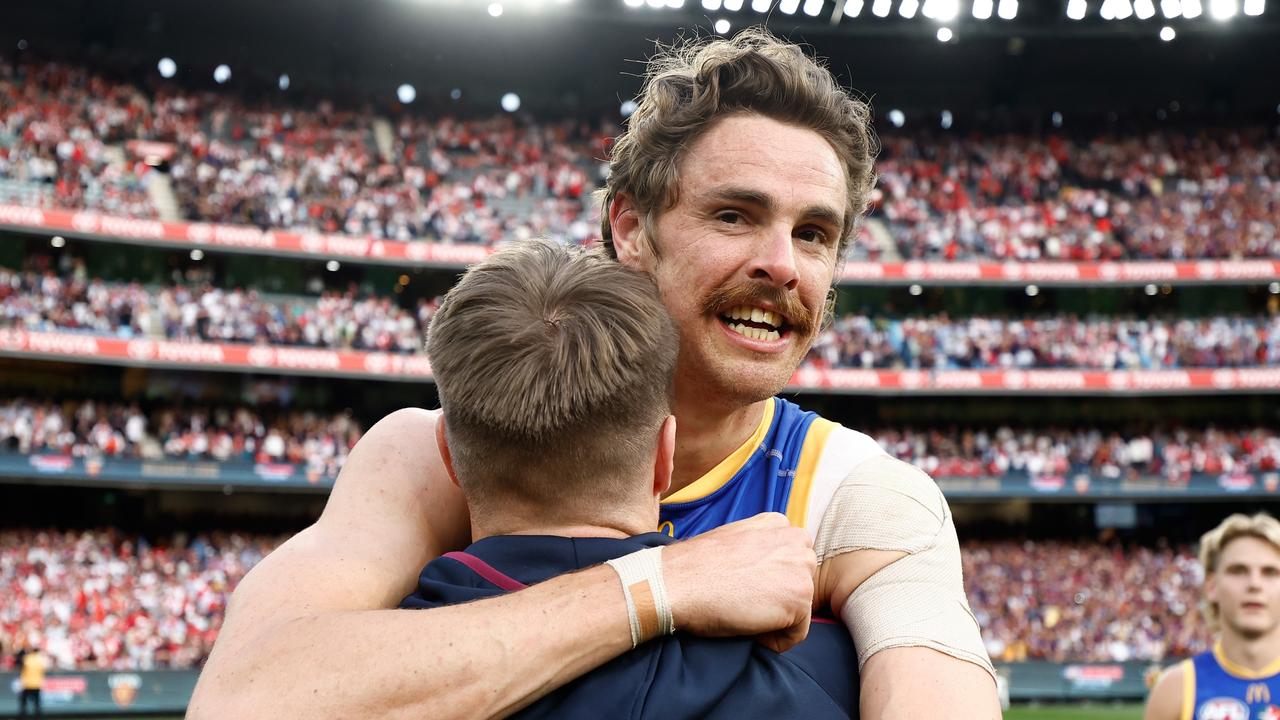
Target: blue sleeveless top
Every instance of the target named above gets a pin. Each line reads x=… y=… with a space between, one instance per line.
x=1217 y=689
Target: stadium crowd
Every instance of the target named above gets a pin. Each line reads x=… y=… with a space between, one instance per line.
x=69 y=299
x=65 y=131
x=221 y=434
x=102 y=599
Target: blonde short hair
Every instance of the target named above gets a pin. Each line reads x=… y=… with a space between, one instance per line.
x=1261 y=526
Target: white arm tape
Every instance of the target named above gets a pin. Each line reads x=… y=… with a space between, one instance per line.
x=919 y=600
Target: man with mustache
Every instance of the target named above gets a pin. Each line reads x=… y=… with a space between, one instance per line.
x=737 y=185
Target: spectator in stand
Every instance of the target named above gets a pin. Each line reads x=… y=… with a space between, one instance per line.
x=31 y=666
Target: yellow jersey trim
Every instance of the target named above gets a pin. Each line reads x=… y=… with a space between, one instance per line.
x=1241 y=671
x=814 y=443
x=1188 y=689
x=724 y=472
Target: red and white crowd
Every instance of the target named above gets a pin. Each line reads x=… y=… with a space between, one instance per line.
x=102 y=599
x=87 y=429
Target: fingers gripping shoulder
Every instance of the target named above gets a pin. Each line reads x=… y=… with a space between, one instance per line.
x=882 y=504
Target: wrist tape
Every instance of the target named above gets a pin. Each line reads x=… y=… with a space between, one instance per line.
x=648 y=607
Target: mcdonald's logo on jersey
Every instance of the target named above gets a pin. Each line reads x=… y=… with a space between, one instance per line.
x=1257 y=694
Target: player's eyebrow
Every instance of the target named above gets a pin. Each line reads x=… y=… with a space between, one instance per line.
x=765 y=201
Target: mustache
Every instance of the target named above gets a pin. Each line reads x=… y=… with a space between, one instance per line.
x=799 y=317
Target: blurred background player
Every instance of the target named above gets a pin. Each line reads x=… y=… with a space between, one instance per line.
x=1239 y=679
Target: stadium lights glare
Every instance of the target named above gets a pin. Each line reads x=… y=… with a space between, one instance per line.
x=1008 y=9
x=283 y=82
x=406 y=93
x=655 y=4
x=633 y=3
x=495 y=9
x=455 y=94
x=628 y=108
x=761 y=6
x=941 y=10
x=511 y=102
x=1032 y=291
x=1124 y=10
x=712 y=5
x=897 y=117
x=813 y=7
x=982 y=9
x=734 y=5
x=1223 y=9
x=1167 y=33
x=1108 y=11
x=915 y=290
x=1144 y=9
x=1076 y=9
x=1150 y=289
x=852 y=8
x=1171 y=8
x=221 y=74
x=947 y=119
x=881 y=8
x=944 y=34
x=57 y=241
x=675 y=4
x=722 y=26
x=1191 y=9
x=1056 y=119
x=197 y=255
x=167 y=67
x=789 y=6
x=1274 y=288
x=1254 y=8
x=332 y=266
x=908 y=8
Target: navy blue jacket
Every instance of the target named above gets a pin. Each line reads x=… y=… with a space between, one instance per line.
x=680 y=676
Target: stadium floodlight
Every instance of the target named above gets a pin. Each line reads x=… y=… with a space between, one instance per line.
x=897 y=117
x=197 y=255
x=789 y=6
x=656 y=4
x=675 y=4
x=1167 y=33
x=495 y=9
x=1254 y=8
x=283 y=82
x=1108 y=11
x=813 y=8
x=982 y=9
x=881 y=8
x=221 y=74
x=915 y=290
x=1274 y=288
x=1056 y=119
x=1124 y=9
x=734 y=5
x=1008 y=9
x=722 y=26
x=628 y=108
x=852 y=8
x=1150 y=290
x=1171 y=8
x=1077 y=9
x=1144 y=9
x=941 y=10
x=633 y=3
x=945 y=34
x=58 y=241
x=455 y=94
x=406 y=93
x=1191 y=9
x=712 y=5
x=947 y=119
x=1223 y=9
x=908 y=8
x=761 y=6
x=1033 y=290
x=511 y=102
x=332 y=266
x=167 y=67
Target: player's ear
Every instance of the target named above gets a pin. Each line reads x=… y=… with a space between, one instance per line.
x=626 y=222
x=665 y=462
x=442 y=442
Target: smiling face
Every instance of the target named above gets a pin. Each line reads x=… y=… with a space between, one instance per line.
x=746 y=256
x=1246 y=587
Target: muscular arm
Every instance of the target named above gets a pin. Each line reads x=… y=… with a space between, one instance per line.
x=311 y=631
x=890 y=566
x=1167 y=697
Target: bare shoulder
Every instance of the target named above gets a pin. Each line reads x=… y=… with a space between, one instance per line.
x=392 y=509
x=1168 y=698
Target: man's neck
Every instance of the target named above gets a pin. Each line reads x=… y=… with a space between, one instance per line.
x=636 y=523
x=1253 y=654
x=706 y=435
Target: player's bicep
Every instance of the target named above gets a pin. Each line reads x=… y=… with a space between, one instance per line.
x=936 y=680
x=1167 y=700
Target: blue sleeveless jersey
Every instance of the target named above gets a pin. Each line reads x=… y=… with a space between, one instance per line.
x=792 y=464
x=1215 y=688
x=670 y=678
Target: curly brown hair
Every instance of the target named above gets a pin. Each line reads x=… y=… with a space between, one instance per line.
x=691 y=86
